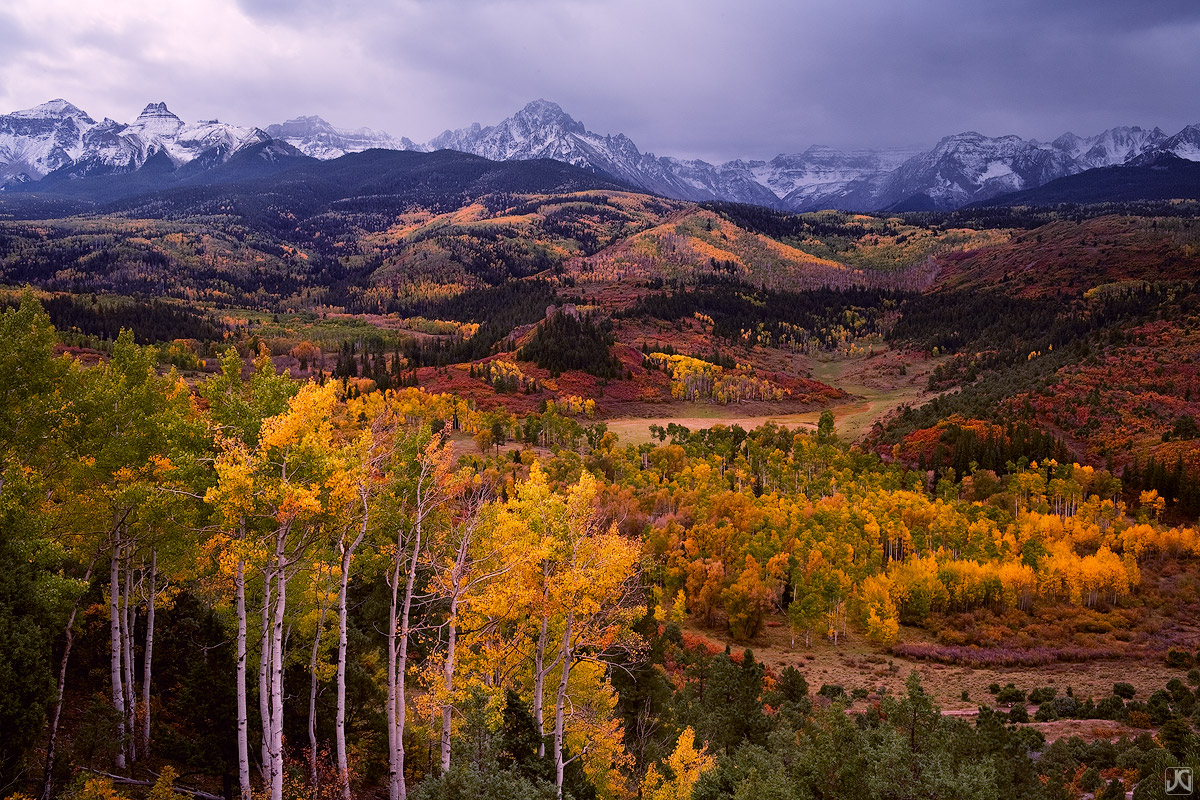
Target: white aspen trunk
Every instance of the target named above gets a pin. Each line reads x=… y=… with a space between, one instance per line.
x=148 y=655
x=48 y=775
x=560 y=703
x=128 y=619
x=277 y=669
x=451 y=637
x=312 y=695
x=394 y=745
x=539 y=686
x=339 y=726
x=264 y=669
x=402 y=665
x=114 y=628
x=243 y=724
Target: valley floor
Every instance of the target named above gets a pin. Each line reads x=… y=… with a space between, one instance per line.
x=878 y=384
x=857 y=664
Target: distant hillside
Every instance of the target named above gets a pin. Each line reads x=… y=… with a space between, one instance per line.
x=1166 y=177
x=1066 y=258
x=274 y=175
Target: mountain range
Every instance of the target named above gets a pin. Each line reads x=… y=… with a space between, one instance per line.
x=57 y=142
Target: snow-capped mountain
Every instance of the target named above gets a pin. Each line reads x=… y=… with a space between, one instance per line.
x=41 y=139
x=1114 y=146
x=543 y=130
x=315 y=137
x=965 y=168
x=1185 y=144
x=822 y=177
x=59 y=138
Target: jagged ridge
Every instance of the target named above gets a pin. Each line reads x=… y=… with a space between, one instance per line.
x=60 y=139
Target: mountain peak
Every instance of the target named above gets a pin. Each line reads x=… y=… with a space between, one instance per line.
x=546 y=112
x=299 y=127
x=543 y=107
x=157 y=111
x=312 y=135
x=54 y=108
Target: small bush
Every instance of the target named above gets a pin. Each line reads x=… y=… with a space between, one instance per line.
x=1111 y=707
x=1140 y=719
x=1018 y=714
x=1042 y=694
x=1179 y=659
x=832 y=691
x=1010 y=694
x=1124 y=690
x=1066 y=707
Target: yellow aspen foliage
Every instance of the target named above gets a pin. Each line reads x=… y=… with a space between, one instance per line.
x=881 y=617
x=98 y=789
x=686 y=765
x=1151 y=500
x=164 y=787
x=747 y=601
x=1018 y=584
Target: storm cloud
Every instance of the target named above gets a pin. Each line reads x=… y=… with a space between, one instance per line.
x=692 y=78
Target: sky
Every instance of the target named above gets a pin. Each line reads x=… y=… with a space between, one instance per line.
x=712 y=79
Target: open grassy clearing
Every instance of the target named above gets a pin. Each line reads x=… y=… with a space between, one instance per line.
x=855 y=663
x=878 y=383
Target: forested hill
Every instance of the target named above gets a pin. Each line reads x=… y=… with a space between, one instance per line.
x=265 y=177
x=257 y=585
x=1166 y=177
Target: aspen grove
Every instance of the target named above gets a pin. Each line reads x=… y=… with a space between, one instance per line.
x=392 y=604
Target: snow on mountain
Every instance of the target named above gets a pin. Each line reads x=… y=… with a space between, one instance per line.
x=156 y=128
x=1114 y=146
x=822 y=177
x=543 y=130
x=967 y=167
x=315 y=137
x=39 y=140
x=1185 y=144
x=960 y=169
x=60 y=138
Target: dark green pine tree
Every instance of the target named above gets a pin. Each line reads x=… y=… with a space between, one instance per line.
x=733 y=702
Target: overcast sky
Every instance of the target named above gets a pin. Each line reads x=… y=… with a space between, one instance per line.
x=694 y=78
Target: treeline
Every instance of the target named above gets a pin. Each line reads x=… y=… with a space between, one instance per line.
x=1029 y=217
x=252 y=498
x=740 y=314
x=1002 y=346
x=191 y=259
x=103 y=317
x=570 y=341
x=784 y=226
x=1004 y=328
x=965 y=448
x=368 y=358
x=1176 y=484
x=498 y=310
